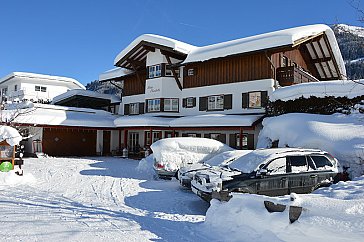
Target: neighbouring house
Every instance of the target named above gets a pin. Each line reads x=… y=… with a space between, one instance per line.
x=218 y=91
x=35 y=87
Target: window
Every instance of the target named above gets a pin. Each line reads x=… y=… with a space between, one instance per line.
x=4 y=91
x=168 y=71
x=37 y=88
x=171 y=105
x=284 y=62
x=321 y=161
x=154 y=105
x=43 y=89
x=244 y=141
x=134 y=108
x=154 y=71
x=215 y=102
x=298 y=164
x=191 y=72
x=15 y=88
x=155 y=137
x=190 y=102
x=277 y=166
x=255 y=100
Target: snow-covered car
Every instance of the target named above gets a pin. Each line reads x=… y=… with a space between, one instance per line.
x=271 y=172
x=186 y=174
x=171 y=154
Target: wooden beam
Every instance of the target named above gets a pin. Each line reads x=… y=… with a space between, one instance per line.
x=149 y=48
x=332 y=55
x=320 y=64
x=325 y=59
x=173 y=71
x=306 y=56
x=135 y=62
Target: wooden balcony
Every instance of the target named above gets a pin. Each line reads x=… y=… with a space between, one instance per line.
x=290 y=75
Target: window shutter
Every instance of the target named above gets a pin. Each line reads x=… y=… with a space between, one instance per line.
x=203 y=103
x=184 y=102
x=245 y=100
x=228 y=101
x=250 y=141
x=232 y=141
x=126 y=109
x=141 y=108
x=163 y=69
x=194 y=102
x=264 y=100
x=146 y=106
x=206 y=136
x=161 y=105
x=198 y=135
x=147 y=75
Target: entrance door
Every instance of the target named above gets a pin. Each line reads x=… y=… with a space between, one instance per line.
x=133 y=141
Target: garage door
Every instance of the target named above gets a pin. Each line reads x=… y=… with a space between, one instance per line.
x=69 y=142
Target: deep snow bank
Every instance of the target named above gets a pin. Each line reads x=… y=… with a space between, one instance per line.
x=339 y=134
x=331 y=214
x=173 y=152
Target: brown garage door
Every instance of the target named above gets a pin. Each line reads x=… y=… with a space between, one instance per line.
x=69 y=142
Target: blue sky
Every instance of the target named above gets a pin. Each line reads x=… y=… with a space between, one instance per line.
x=80 y=38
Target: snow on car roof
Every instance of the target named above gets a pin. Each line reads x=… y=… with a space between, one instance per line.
x=251 y=161
x=226 y=156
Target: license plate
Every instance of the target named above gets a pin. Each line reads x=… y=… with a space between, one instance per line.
x=194 y=190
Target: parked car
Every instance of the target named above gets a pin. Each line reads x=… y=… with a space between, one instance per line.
x=271 y=172
x=171 y=154
x=185 y=174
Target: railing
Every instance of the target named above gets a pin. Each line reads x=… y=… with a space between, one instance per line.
x=290 y=75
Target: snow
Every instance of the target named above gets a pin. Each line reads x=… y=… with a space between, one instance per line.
x=174 y=153
x=359 y=31
x=44 y=114
x=10 y=135
x=85 y=93
x=114 y=73
x=141 y=121
x=339 y=134
x=356 y=60
x=54 y=79
x=330 y=214
x=266 y=41
x=95 y=199
x=156 y=39
x=338 y=88
x=215 y=120
x=226 y=156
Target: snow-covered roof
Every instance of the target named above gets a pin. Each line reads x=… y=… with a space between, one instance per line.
x=286 y=37
x=44 y=114
x=114 y=73
x=339 y=88
x=86 y=93
x=208 y=120
x=10 y=135
x=213 y=120
x=158 y=40
x=70 y=81
x=141 y=121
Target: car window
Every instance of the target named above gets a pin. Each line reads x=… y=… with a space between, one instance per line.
x=298 y=164
x=321 y=162
x=277 y=166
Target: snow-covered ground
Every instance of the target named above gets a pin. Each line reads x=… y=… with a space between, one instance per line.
x=330 y=214
x=95 y=199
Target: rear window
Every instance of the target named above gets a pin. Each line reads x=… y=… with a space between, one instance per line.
x=277 y=166
x=321 y=161
x=298 y=164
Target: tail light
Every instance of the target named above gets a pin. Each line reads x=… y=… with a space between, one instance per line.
x=160 y=166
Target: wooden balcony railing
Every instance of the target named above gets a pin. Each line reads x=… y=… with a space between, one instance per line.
x=290 y=75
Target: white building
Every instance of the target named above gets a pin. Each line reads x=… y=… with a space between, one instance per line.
x=35 y=87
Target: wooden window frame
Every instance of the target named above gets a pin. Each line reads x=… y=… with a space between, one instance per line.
x=136 y=107
x=154 y=110
x=171 y=100
x=260 y=100
x=153 y=72
x=215 y=97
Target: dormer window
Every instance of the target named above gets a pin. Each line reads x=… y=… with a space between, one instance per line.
x=168 y=71
x=154 y=71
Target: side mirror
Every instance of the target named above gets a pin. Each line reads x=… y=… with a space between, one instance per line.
x=262 y=172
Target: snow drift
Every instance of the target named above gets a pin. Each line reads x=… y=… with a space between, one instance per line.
x=10 y=135
x=330 y=214
x=339 y=134
x=174 y=152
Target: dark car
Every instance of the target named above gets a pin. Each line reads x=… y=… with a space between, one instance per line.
x=271 y=172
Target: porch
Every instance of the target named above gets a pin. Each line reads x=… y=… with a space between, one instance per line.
x=290 y=75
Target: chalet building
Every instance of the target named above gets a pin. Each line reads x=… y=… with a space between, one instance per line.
x=218 y=91
x=35 y=87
